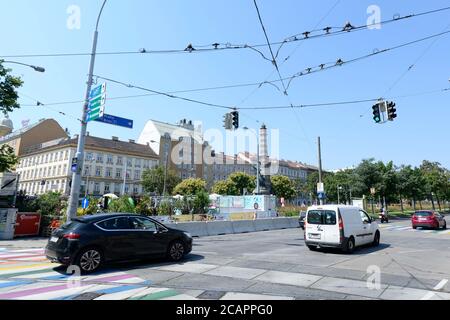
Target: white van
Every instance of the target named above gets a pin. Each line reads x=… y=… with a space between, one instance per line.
x=339 y=226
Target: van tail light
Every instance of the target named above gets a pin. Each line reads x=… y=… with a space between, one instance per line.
x=341 y=230
x=72 y=236
x=341 y=224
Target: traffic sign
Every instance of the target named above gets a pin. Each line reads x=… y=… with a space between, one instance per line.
x=321 y=195
x=85 y=203
x=97 y=101
x=320 y=187
x=117 y=121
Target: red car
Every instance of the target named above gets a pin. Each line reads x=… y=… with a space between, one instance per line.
x=428 y=219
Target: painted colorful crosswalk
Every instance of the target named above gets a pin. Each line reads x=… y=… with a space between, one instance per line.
x=408 y=228
x=27 y=275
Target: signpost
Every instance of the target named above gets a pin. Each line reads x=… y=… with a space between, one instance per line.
x=85 y=203
x=97 y=100
x=117 y=121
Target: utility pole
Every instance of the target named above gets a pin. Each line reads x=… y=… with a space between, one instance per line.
x=125 y=176
x=320 y=164
x=76 y=176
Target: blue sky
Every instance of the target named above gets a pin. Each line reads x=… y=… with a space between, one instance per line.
x=420 y=131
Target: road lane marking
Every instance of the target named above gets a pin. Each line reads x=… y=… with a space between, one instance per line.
x=441 y=284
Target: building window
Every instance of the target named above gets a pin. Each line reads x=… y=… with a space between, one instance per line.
x=137 y=163
x=89 y=156
x=117 y=188
x=119 y=161
x=136 y=189
x=127 y=188
x=146 y=164
x=106 y=189
x=99 y=157
x=128 y=174
x=97 y=187
x=98 y=171
x=66 y=155
x=118 y=173
x=137 y=175
x=59 y=170
x=129 y=162
x=64 y=169
x=109 y=159
x=87 y=170
x=108 y=172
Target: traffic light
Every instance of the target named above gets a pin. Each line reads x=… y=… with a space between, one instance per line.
x=391 y=111
x=227 y=121
x=235 y=119
x=376 y=113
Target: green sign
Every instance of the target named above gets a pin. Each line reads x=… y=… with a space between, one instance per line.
x=97 y=101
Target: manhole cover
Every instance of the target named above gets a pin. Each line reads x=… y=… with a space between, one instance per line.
x=88 y=296
x=212 y=295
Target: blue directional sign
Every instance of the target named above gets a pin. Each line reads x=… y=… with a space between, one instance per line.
x=321 y=195
x=117 y=121
x=85 y=203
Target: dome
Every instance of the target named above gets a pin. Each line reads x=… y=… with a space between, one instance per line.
x=6 y=126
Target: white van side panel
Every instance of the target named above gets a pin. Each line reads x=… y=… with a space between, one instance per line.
x=352 y=224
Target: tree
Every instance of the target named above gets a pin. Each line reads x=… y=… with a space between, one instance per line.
x=283 y=187
x=190 y=186
x=144 y=206
x=225 y=187
x=436 y=178
x=8 y=93
x=243 y=181
x=153 y=180
x=201 y=201
x=8 y=158
x=123 y=204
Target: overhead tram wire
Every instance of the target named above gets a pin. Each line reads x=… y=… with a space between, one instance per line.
x=297 y=75
x=228 y=46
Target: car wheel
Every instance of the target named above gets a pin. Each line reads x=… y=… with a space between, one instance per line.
x=175 y=252
x=350 y=247
x=89 y=260
x=445 y=225
x=414 y=228
x=376 y=239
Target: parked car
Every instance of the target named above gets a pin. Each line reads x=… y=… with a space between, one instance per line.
x=301 y=219
x=339 y=226
x=90 y=241
x=428 y=219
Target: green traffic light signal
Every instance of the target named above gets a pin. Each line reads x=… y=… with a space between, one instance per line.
x=376 y=113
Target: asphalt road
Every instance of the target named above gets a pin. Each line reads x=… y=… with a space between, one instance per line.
x=413 y=264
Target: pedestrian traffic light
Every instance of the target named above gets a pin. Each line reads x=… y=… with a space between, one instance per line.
x=376 y=113
x=227 y=121
x=391 y=111
x=235 y=119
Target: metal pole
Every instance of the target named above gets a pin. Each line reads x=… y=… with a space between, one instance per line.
x=258 y=169
x=87 y=186
x=338 y=194
x=166 y=159
x=320 y=164
x=76 y=176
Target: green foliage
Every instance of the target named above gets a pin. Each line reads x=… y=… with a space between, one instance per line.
x=8 y=93
x=153 y=180
x=123 y=204
x=8 y=158
x=225 y=187
x=190 y=186
x=144 y=206
x=201 y=202
x=242 y=181
x=91 y=209
x=283 y=187
x=165 y=209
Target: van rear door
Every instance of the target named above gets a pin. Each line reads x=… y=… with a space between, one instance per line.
x=322 y=226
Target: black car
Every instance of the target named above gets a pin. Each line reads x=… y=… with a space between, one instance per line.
x=301 y=219
x=90 y=241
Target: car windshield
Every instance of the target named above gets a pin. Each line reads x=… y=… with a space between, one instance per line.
x=423 y=213
x=326 y=217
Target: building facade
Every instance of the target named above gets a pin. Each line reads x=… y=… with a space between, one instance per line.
x=110 y=166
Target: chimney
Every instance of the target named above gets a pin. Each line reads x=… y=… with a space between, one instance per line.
x=115 y=138
x=87 y=134
x=131 y=141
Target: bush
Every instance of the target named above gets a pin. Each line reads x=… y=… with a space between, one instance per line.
x=144 y=206
x=123 y=204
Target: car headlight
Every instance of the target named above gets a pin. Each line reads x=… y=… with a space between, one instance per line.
x=187 y=234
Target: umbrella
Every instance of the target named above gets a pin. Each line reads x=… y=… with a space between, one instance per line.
x=110 y=195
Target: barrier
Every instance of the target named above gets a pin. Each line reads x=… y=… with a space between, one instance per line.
x=215 y=228
x=263 y=224
x=243 y=226
x=280 y=223
x=196 y=229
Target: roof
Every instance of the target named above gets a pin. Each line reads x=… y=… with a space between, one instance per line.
x=101 y=143
x=15 y=134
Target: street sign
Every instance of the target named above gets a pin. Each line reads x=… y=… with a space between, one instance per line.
x=74 y=165
x=320 y=188
x=97 y=101
x=117 y=121
x=321 y=195
x=372 y=191
x=85 y=203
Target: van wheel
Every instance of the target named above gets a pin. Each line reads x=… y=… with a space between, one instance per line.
x=350 y=247
x=376 y=239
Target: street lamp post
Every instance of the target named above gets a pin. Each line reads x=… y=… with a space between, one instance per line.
x=338 y=189
x=257 y=160
x=36 y=68
x=76 y=176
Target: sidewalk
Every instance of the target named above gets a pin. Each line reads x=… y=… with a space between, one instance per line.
x=24 y=243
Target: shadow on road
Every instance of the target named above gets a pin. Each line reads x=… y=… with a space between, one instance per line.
x=358 y=251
